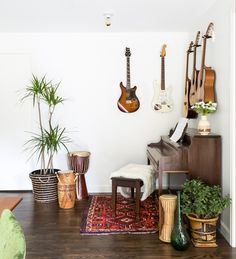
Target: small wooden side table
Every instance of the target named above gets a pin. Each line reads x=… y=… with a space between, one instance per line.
x=9 y=202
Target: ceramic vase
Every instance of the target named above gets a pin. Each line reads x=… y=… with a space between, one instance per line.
x=179 y=237
x=204 y=127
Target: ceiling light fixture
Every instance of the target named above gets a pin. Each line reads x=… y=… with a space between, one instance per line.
x=108 y=19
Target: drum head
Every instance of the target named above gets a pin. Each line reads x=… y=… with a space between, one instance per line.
x=168 y=197
x=80 y=153
x=65 y=172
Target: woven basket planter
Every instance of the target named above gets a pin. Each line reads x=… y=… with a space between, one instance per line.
x=203 y=231
x=44 y=186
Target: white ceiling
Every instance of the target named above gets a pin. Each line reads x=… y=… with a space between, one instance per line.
x=87 y=15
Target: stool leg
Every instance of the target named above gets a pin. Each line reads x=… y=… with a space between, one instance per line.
x=132 y=193
x=114 y=198
x=137 y=202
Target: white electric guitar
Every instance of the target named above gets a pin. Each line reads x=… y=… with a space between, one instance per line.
x=162 y=101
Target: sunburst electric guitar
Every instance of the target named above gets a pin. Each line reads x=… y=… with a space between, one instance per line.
x=128 y=101
x=162 y=101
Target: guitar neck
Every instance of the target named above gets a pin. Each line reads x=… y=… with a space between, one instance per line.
x=128 y=74
x=162 y=73
x=186 y=76
x=203 y=58
x=194 y=60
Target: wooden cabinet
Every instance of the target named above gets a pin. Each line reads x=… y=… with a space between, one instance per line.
x=204 y=158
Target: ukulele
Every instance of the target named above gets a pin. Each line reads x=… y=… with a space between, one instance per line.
x=193 y=89
x=162 y=101
x=206 y=79
x=128 y=101
x=187 y=111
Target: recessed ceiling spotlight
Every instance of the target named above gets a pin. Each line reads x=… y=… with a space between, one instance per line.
x=108 y=19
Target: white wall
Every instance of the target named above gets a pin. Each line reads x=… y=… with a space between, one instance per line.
x=218 y=56
x=90 y=67
x=15 y=119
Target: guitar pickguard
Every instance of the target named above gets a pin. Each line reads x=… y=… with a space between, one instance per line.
x=162 y=101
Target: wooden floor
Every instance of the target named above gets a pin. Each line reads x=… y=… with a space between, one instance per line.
x=54 y=233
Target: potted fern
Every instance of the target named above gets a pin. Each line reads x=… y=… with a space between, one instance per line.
x=202 y=204
x=48 y=140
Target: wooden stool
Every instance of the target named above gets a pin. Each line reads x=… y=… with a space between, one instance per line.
x=127 y=182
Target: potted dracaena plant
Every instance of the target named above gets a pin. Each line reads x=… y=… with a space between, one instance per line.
x=202 y=204
x=48 y=140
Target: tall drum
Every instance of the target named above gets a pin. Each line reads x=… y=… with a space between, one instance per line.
x=66 y=189
x=79 y=161
x=168 y=204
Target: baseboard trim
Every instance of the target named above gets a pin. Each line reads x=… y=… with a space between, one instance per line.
x=224 y=230
x=18 y=191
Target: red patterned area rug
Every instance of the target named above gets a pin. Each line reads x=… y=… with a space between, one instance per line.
x=98 y=220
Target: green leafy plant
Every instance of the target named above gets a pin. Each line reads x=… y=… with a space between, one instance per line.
x=50 y=138
x=203 y=201
x=204 y=108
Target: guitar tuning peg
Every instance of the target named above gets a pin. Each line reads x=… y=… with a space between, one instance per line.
x=213 y=36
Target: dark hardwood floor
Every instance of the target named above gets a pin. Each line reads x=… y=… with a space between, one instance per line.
x=54 y=233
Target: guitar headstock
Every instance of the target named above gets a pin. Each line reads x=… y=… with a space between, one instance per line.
x=163 y=50
x=127 y=52
x=209 y=31
x=197 y=40
x=190 y=48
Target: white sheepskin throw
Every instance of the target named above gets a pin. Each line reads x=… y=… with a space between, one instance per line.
x=137 y=171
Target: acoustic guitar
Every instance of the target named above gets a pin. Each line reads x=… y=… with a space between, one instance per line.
x=187 y=111
x=195 y=73
x=206 y=79
x=128 y=101
x=162 y=101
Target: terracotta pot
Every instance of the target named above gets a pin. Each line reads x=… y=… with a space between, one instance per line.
x=203 y=231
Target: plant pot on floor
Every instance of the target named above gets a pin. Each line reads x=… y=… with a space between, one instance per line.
x=203 y=231
x=44 y=186
x=203 y=204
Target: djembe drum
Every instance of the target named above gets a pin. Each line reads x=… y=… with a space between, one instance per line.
x=79 y=163
x=168 y=205
x=66 y=189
